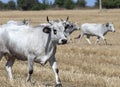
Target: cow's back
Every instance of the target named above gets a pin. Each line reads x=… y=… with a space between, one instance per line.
x=91 y=28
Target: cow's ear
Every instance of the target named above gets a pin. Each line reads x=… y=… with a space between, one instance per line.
x=46 y=29
x=107 y=24
x=66 y=27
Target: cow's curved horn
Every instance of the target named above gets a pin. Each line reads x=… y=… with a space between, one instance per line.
x=47 y=19
x=24 y=21
x=67 y=18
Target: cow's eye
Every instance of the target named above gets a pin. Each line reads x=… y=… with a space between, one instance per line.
x=55 y=31
x=72 y=26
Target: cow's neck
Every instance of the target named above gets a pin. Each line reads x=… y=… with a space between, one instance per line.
x=105 y=30
x=50 y=45
x=72 y=30
x=50 y=50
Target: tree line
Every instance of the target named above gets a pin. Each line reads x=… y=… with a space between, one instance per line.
x=45 y=4
x=109 y=3
x=57 y=4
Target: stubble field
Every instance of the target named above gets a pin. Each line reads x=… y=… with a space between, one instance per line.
x=80 y=65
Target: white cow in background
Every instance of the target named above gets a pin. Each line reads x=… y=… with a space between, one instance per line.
x=98 y=30
x=36 y=44
x=24 y=22
x=14 y=25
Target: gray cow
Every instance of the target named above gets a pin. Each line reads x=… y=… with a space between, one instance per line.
x=99 y=30
x=36 y=44
x=70 y=28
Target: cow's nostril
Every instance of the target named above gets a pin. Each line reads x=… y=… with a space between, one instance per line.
x=64 y=41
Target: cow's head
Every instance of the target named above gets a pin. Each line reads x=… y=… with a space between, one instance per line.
x=110 y=27
x=56 y=31
x=65 y=22
x=72 y=27
x=26 y=22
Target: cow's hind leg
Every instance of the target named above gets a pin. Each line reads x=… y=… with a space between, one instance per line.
x=9 y=64
x=3 y=52
x=56 y=71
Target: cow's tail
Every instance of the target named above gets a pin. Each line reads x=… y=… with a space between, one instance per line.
x=3 y=51
x=79 y=28
x=78 y=36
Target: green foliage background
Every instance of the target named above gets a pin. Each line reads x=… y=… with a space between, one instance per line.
x=57 y=4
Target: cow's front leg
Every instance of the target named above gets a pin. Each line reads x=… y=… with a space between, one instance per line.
x=97 y=40
x=105 y=42
x=56 y=71
x=30 y=68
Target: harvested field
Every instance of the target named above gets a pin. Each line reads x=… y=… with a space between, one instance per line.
x=80 y=65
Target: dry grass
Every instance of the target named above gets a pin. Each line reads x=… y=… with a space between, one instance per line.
x=81 y=65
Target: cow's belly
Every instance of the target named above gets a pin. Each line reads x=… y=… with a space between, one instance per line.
x=19 y=56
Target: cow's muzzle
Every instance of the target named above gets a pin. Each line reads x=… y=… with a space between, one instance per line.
x=113 y=31
x=64 y=41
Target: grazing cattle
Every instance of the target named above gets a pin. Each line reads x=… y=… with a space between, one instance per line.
x=36 y=44
x=98 y=30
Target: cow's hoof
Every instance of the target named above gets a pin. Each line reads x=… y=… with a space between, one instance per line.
x=58 y=85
